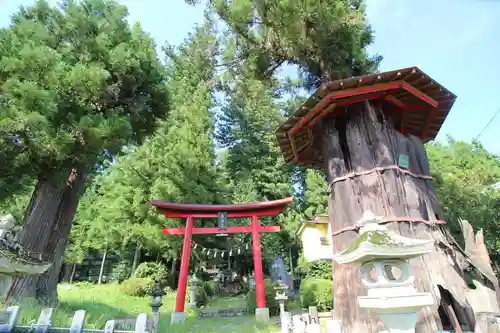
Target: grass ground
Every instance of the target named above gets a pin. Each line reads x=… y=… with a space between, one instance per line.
x=106 y=302
x=227 y=302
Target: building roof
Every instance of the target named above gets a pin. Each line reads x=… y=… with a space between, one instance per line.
x=417 y=104
x=320 y=219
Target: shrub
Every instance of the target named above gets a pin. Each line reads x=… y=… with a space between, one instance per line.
x=321 y=269
x=152 y=270
x=316 y=292
x=203 y=275
x=121 y=272
x=271 y=302
x=210 y=288
x=201 y=297
x=139 y=287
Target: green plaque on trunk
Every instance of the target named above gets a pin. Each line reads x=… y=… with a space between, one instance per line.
x=403 y=161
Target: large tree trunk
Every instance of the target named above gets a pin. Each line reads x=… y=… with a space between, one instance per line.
x=46 y=232
x=66 y=271
x=358 y=142
x=137 y=257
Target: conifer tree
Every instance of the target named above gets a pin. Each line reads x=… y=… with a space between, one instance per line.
x=245 y=128
x=315 y=194
x=175 y=164
x=77 y=83
x=326 y=39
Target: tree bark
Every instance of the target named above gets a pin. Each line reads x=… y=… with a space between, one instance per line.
x=137 y=257
x=46 y=232
x=172 y=276
x=72 y=274
x=66 y=271
x=103 y=261
x=359 y=141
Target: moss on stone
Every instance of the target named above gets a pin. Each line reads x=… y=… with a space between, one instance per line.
x=19 y=258
x=372 y=237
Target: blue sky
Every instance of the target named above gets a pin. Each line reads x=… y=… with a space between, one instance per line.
x=453 y=41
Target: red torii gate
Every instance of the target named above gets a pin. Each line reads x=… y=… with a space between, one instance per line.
x=190 y=212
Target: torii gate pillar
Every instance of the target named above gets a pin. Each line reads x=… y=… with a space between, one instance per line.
x=190 y=212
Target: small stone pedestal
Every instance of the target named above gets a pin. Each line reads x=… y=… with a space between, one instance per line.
x=386 y=272
x=262 y=314
x=178 y=318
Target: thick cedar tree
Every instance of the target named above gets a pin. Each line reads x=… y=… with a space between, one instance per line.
x=77 y=83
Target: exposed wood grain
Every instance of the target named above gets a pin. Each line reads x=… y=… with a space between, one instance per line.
x=487 y=323
x=361 y=140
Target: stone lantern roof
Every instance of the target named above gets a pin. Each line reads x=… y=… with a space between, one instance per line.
x=376 y=241
x=14 y=259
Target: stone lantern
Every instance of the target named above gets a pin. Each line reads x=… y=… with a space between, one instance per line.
x=251 y=281
x=386 y=272
x=281 y=294
x=193 y=288
x=14 y=259
x=156 y=303
x=281 y=297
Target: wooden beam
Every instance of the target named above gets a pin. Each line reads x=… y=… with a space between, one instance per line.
x=396 y=101
x=323 y=114
x=343 y=94
x=215 y=231
x=230 y=215
x=428 y=124
x=424 y=97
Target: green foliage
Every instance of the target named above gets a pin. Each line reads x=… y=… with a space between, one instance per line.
x=201 y=297
x=326 y=39
x=320 y=269
x=77 y=84
x=253 y=163
x=152 y=270
x=140 y=287
x=315 y=193
x=175 y=164
x=121 y=271
x=203 y=275
x=316 y=292
x=75 y=81
x=271 y=302
x=204 y=291
x=16 y=204
x=463 y=176
x=210 y=288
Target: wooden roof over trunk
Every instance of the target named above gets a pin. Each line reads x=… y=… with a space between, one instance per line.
x=417 y=105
